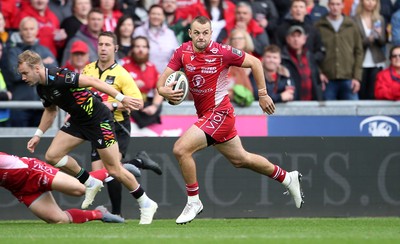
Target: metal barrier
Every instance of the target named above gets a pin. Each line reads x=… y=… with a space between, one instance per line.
x=307 y=108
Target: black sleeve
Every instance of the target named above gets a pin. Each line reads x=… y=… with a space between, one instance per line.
x=63 y=78
x=40 y=94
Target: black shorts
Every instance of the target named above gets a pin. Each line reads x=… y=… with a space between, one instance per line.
x=123 y=134
x=100 y=132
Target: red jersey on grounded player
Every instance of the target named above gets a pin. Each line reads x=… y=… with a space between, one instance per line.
x=207 y=72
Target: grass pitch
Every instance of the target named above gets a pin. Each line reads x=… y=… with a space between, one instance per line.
x=295 y=230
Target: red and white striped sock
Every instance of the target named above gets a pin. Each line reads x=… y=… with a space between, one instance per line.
x=279 y=174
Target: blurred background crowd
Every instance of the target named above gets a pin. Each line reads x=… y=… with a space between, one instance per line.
x=310 y=50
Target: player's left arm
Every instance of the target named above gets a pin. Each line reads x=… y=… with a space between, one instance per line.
x=265 y=101
x=128 y=102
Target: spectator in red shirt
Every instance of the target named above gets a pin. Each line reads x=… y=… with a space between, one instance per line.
x=50 y=34
x=220 y=12
x=245 y=21
x=177 y=20
x=387 y=85
x=10 y=10
x=111 y=13
x=79 y=57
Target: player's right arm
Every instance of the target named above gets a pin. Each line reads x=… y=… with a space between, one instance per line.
x=49 y=114
x=166 y=91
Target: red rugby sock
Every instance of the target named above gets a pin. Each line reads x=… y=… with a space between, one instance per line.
x=193 y=189
x=278 y=174
x=100 y=174
x=78 y=216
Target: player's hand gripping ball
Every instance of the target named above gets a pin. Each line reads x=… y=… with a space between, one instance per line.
x=181 y=83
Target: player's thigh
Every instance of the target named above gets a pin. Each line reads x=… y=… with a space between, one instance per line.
x=67 y=184
x=62 y=144
x=110 y=156
x=46 y=208
x=233 y=149
x=191 y=141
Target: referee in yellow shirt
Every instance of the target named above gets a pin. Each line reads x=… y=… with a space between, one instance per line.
x=108 y=70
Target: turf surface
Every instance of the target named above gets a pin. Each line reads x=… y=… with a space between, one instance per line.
x=296 y=230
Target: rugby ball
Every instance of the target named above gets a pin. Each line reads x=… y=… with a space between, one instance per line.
x=181 y=83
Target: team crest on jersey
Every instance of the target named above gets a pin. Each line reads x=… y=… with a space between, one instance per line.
x=214 y=50
x=190 y=68
x=69 y=78
x=198 y=81
x=110 y=79
x=237 y=52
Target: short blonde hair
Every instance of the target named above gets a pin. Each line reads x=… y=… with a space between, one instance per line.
x=31 y=58
x=249 y=47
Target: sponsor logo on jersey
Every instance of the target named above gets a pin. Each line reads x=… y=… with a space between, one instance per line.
x=208 y=70
x=110 y=79
x=210 y=60
x=70 y=78
x=237 y=52
x=190 y=68
x=214 y=50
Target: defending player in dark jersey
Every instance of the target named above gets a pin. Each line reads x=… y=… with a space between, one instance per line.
x=89 y=120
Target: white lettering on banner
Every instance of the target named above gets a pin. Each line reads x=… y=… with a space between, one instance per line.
x=382 y=179
x=380 y=126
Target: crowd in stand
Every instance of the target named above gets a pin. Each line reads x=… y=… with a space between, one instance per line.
x=310 y=50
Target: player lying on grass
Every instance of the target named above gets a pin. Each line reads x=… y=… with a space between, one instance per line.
x=31 y=181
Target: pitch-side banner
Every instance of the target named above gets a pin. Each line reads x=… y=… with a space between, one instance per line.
x=275 y=125
x=375 y=126
x=342 y=176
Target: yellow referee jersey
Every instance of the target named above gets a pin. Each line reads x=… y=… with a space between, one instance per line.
x=119 y=78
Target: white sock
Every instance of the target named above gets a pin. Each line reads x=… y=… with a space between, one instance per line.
x=144 y=201
x=89 y=182
x=108 y=179
x=286 y=182
x=194 y=198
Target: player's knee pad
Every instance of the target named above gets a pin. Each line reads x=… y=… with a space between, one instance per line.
x=63 y=161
